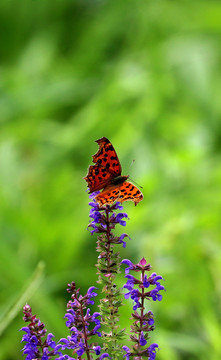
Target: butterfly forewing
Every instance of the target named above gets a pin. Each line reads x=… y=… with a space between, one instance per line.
x=106 y=168
x=97 y=178
x=107 y=157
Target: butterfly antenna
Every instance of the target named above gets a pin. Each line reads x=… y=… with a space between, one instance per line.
x=141 y=187
x=132 y=162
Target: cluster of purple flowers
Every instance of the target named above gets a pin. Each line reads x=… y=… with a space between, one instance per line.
x=144 y=283
x=144 y=322
x=80 y=322
x=104 y=219
x=36 y=346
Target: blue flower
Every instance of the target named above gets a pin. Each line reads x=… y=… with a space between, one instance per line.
x=143 y=341
x=131 y=280
x=90 y=294
x=146 y=283
x=97 y=323
x=30 y=349
x=117 y=219
x=92 y=195
x=128 y=352
x=45 y=355
x=117 y=206
x=155 y=296
x=71 y=317
x=130 y=267
x=134 y=295
x=50 y=342
x=65 y=357
x=150 y=322
x=81 y=348
x=154 y=278
x=94 y=318
x=152 y=351
x=97 y=350
x=104 y=355
x=120 y=239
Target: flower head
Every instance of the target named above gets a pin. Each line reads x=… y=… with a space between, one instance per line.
x=143 y=321
x=36 y=346
x=104 y=219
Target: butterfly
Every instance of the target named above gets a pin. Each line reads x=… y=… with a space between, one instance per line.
x=106 y=175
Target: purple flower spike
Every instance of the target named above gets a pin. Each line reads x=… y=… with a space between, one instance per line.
x=36 y=346
x=143 y=321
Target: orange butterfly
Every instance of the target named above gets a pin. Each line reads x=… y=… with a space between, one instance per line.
x=106 y=175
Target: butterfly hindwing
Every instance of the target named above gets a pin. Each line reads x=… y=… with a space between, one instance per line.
x=129 y=191
x=108 y=196
x=123 y=192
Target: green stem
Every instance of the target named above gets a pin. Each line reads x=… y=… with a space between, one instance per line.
x=109 y=310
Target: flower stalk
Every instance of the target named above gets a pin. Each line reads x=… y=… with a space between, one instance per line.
x=108 y=266
x=143 y=321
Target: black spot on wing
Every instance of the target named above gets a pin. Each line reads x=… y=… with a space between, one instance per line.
x=109 y=148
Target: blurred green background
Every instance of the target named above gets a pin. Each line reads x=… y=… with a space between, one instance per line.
x=145 y=74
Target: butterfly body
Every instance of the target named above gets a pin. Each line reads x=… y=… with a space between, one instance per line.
x=106 y=175
x=119 y=179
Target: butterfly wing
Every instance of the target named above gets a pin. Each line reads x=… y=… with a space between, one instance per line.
x=107 y=157
x=123 y=192
x=107 y=166
x=98 y=177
